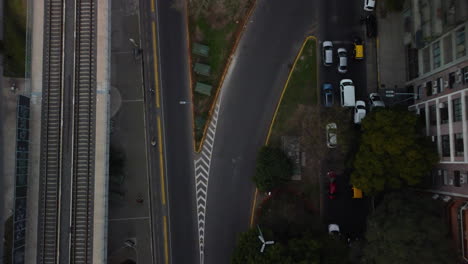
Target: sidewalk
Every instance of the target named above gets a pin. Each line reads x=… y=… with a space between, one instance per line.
x=391 y=56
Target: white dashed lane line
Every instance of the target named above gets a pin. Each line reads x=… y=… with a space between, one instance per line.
x=202 y=172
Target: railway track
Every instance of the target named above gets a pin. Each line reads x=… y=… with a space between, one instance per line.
x=84 y=133
x=78 y=176
x=51 y=136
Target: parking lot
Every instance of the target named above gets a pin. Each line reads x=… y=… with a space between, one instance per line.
x=341 y=27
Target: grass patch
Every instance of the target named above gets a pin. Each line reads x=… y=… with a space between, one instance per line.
x=15 y=37
x=300 y=95
x=214 y=24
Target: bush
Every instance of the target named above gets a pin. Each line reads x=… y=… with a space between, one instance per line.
x=273 y=169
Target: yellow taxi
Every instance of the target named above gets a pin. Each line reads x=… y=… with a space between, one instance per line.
x=358 y=49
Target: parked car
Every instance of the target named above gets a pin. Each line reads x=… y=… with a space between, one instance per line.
x=327 y=94
x=375 y=101
x=331 y=135
x=357 y=193
x=347 y=94
x=333 y=229
x=358 y=52
x=332 y=190
x=359 y=111
x=331 y=175
x=369 y=5
x=371 y=26
x=327 y=48
x=343 y=60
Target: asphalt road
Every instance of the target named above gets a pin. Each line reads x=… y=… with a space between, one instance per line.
x=177 y=126
x=339 y=22
x=250 y=93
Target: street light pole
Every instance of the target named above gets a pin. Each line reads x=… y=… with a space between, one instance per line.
x=137 y=50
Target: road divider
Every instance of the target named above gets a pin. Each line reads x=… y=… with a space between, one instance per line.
x=312 y=41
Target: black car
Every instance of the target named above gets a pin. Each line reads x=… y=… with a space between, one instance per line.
x=371 y=26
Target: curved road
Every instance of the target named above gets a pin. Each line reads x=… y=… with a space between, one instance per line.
x=249 y=95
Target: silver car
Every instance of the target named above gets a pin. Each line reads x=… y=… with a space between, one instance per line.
x=343 y=60
x=331 y=135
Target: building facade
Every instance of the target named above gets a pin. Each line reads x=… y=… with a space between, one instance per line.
x=437 y=73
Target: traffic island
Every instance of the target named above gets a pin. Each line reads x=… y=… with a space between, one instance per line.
x=214 y=31
x=297 y=108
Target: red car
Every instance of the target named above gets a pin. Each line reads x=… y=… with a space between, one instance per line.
x=331 y=185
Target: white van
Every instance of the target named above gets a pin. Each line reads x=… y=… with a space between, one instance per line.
x=327 y=48
x=347 y=93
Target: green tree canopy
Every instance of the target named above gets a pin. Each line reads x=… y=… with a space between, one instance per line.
x=302 y=250
x=392 y=152
x=408 y=228
x=273 y=168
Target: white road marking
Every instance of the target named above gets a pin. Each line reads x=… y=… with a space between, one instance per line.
x=202 y=172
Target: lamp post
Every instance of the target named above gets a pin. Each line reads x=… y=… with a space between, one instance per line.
x=136 y=48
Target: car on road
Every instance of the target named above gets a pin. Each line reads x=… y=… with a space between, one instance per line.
x=375 y=101
x=369 y=5
x=358 y=52
x=357 y=193
x=359 y=111
x=371 y=26
x=331 y=135
x=347 y=94
x=327 y=48
x=327 y=94
x=333 y=229
x=331 y=175
x=343 y=60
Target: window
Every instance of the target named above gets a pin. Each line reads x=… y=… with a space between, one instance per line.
x=443 y=113
x=456 y=178
x=460 y=42
x=443 y=174
x=418 y=92
x=440 y=84
x=459 y=149
x=465 y=75
x=432 y=115
x=436 y=54
x=457 y=109
x=451 y=79
x=445 y=146
x=428 y=88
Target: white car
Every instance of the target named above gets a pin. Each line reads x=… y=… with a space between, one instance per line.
x=359 y=112
x=327 y=47
x=369 y=5
x=333 y=229
x=343 y=60
x=347 y=95
x=331 y=135
x=375 y=100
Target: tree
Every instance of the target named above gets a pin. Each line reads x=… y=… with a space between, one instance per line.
x=392 y=152
x=248 y=247
x=273 y=168
x=408 y=228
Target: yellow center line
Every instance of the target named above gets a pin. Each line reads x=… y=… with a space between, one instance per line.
x=152 y=5
x=155 y=63
x=161 y=163
x=254 y=204
x=166 y=249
